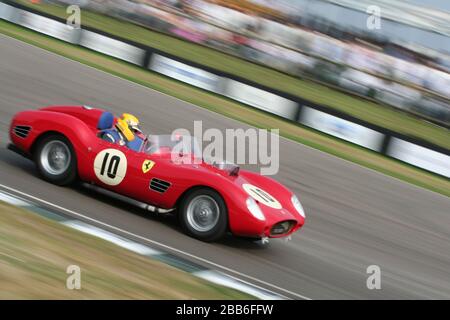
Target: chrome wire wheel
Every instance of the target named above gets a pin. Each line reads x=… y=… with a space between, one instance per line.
x=203 y=213
x=55 y=157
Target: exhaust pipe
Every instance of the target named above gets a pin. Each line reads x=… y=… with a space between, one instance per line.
x=126 y=199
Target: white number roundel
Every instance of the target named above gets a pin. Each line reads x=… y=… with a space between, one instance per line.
x=110 y=166
x=261 y=196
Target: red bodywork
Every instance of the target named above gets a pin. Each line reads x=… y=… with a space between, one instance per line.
x=79 y=125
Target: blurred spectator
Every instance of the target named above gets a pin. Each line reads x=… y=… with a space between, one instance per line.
x=271 y=33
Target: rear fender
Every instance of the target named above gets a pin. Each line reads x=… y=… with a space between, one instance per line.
x=43 y=123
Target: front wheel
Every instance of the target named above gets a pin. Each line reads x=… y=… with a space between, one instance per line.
x=203 y=215
x=56 y=160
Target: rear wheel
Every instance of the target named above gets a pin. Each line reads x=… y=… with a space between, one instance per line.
x=203 y=215
x=56 y=160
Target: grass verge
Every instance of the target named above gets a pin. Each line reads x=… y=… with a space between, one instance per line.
x=35 y=253
x=371 y=112
x=234 y=110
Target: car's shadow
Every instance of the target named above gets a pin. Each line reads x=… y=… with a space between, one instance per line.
x=169 y=220
x=8 y=158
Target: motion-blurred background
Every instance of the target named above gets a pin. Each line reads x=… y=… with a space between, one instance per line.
x=404 y=64
x=313 y=70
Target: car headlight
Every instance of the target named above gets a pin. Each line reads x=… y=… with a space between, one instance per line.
x=298 y=206
x=254 y=209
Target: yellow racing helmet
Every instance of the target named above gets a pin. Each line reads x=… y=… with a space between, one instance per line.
x=133 y=122
x=124 y=129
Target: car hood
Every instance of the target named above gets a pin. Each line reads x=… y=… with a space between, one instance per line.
x=274 y=199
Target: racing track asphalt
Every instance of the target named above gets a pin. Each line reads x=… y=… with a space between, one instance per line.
x=355 y=217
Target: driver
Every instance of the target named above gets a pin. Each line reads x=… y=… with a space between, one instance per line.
x=132 y=124
x=126 y=132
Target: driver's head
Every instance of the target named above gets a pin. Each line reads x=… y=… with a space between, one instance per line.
x=132 y=121
x=128 y=125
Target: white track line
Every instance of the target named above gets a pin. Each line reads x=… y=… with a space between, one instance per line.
x=73 y=213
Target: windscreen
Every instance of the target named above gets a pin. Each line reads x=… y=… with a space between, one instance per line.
x=181 y=145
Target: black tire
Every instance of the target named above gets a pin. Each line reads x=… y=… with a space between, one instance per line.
x=220 y=227
x=69 y=174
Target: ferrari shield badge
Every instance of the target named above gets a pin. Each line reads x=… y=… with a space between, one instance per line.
x=147 y=165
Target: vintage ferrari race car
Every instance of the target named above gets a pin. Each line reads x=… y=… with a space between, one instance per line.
x=210 y=199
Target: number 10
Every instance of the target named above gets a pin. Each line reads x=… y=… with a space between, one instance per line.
x=112 y=167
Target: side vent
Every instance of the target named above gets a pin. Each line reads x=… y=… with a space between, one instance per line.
x=22 y=131
x=159 y=185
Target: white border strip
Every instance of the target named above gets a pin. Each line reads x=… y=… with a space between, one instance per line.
x=12 y=200
x=226 y=281
x=111 y=237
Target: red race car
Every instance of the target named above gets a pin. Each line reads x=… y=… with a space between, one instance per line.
x=66 y=143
